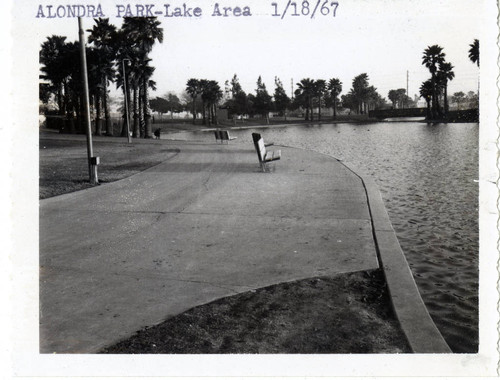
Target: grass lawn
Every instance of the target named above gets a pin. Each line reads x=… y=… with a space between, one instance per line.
x=64 y=168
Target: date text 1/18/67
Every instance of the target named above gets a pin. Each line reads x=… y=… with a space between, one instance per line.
x=306 y=8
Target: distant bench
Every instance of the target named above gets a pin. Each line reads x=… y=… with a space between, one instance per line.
x=263 y=155
x=223 y=136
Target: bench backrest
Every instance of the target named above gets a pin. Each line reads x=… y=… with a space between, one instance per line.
x=259 y=146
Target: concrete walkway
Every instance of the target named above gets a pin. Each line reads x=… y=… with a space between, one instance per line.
x=203 y=225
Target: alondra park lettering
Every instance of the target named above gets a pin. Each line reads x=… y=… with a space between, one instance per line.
x=138 y=10
x=62 y=11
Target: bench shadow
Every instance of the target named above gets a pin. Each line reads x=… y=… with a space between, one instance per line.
x=198 y=167
x=214 y=150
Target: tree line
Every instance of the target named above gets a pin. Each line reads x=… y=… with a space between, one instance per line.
x=114 y=55
x=309 y=95
x=121 y=56
x=435 y=90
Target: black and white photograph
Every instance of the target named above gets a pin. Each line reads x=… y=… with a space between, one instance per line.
x=253 y=189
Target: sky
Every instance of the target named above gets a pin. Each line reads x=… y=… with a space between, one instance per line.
x=383 y=38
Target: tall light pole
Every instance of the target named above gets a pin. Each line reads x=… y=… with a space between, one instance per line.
x=92 y=161
x=407 y=93
x=127 y=116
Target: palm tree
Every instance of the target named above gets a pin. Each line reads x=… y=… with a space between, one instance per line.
x=104 y=36
x=212 y=94
x=426 y=91
x=335 y=87
x=432 y=58
x=193 y=89
x=319 y=91
x=70 y=70
x=445 y=74
x=142 y=33
x=305 y=90
x=51 y=59
x=458 y=97
x=204 y=97
x=474 y=52
x=143 y=73
x=361 y=91
x=127 y=61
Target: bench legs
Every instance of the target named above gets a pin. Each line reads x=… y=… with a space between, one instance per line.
x=265 y=167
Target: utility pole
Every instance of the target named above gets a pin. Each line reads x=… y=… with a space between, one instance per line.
x=93 y=161
x=407 y=93
x=127 y=113
x=291 y=84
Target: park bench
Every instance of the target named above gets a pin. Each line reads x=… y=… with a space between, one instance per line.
x=223 y=136
x=264 y=156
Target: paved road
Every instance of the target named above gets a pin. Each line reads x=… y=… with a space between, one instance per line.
x=204 y=224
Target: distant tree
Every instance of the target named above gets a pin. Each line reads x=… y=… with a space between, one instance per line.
x=281 y=99
x=250 y=105
x=304 y=96
x=360 y=91
x=335 y=88
x=374 y=100
x=44 y=92
x=432 y=58
x=474 y=52
x=319 y=90
x=426 y=91
x=393 y=97
x=142 y=33
x=263 y=101
x=103 y=36
x=211 y=95
x=362 y=97
x=51 y=60
x=444 y=75
x=159 y=105
x=238 y=103
x=193 y=88
x=473 y=99
x=458 y=98
x=235 y=86
x=168 y=103
x=398 y=98
x=349 y=101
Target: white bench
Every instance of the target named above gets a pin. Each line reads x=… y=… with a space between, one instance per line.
x=264 y=156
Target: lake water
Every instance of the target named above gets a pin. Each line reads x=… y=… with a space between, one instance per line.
x=426 y=174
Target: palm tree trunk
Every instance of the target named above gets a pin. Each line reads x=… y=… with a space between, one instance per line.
x=147 y=112
x=194 y=109
x=319 y=108
x=334 y=107
x=135 y=104
x=435 y=106
x=60 y=103
x=446 y=106
x=107 y=119
x=65 y=103
x=98 y=120
x=311 y=115
x=141 y=113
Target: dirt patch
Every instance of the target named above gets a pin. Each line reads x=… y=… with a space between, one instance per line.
x=348 y=313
